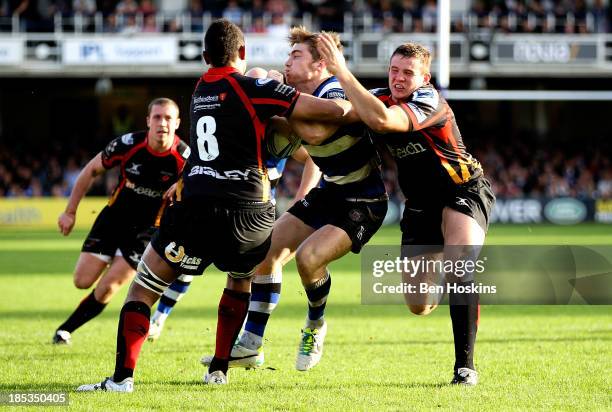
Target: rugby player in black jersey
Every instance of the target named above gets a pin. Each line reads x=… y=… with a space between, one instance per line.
x=150 y=162
x=223 y=214
x=266 y=285
x=448 y=199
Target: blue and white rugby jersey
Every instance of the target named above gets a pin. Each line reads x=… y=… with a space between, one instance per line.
x=348 y=158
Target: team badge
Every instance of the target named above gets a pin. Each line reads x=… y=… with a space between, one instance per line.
x=261 y=82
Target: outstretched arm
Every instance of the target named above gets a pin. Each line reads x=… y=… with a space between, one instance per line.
x=94 y=168
x=312 y=108
x=309 y=131
x=372 y=111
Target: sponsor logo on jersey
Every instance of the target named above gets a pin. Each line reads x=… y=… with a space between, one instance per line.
x=175 y=255
x=145 y=191
x=221 y=175
x=461 y=201
x=208 y=102
x=127 y=139
x=408 y=150
x=261 y=82
x=205 y=99
x=284 y=89
x=335 y=94
x=134 y=168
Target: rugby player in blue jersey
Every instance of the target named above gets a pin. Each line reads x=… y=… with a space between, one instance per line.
x=338 y=217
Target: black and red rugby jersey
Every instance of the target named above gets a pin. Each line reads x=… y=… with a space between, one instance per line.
x=145 y=174
x=229 y=113
x=431 y=156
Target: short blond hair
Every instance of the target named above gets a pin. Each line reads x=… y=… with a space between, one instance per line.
x=301 y=34
x=162 y=101
x=415 y=50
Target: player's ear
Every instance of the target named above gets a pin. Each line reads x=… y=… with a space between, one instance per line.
x=427 y=77
x=242 y=52
x=148 y=122
x=178 y=123
x=206 y=58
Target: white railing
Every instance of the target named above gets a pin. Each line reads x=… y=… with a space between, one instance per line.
x=352 y=22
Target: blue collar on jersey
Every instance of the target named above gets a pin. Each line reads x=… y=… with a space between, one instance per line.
x=322 y=85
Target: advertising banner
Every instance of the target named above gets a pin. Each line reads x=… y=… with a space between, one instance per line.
x=43 y=212
x=11 y=51
x=120 y=50
x=544 y=50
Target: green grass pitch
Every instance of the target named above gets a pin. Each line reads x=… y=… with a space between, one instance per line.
x=376 y=357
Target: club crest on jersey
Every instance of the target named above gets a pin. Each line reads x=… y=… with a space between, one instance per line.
x=127 y=139
x=261 y=82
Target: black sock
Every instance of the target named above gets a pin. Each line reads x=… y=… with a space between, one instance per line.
x=88 y=309
x=464 y=311
x=317 y=294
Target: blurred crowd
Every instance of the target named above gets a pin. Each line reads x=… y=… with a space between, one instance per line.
x=276 y=16
x=519 y=170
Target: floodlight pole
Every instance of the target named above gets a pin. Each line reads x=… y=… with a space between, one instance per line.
x=443 y=52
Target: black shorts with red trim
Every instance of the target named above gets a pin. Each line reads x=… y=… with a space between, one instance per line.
x=422 y=219
x=359 y=218
x=195 y=234
x=112 y=231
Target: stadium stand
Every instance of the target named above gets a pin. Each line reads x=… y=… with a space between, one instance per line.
x=493 y=44
x=259 y=16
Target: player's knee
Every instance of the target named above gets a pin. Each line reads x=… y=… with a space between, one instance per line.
x=82 y=282
x=306 y=261
x=147 y=279
x=421 y=310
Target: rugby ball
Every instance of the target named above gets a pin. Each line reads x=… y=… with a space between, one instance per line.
x=281 y=146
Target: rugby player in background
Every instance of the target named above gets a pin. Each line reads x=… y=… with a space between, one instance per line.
x=448 y=199
x=150 y=162
x=223 y=214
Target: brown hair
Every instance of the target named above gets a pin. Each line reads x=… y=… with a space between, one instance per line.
x=300 y=34
x=415 y=50
x=222 y=41
x=162 y=101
